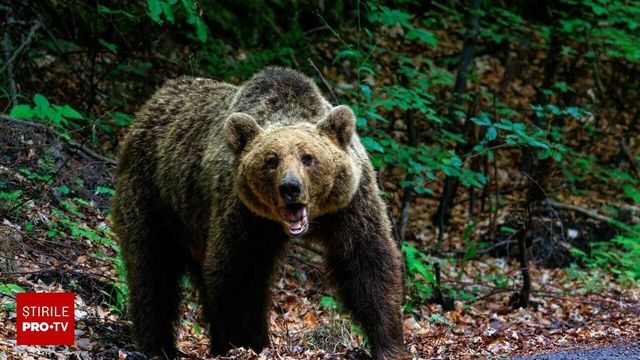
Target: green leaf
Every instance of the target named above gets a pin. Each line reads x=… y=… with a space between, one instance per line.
x=22 y=111
x=422 y=35
x=423 y=190
x=122 y=119
x=376 y=116
x=347 y=53
x=538 y=144
x=492 y=133
x=327 y=302
x=390 y=17
x=472 y=252
x=508 y=229
x=10 y=289
x=481 y=120
x=632 y=193
x=103 y=9
x=201 y=30
x=105 y=190
x=575 y=112
x=56 y=117
x=108 y=11
x=519 y=127
x=562 y=86
x=42 y=104
x=466 y=233
x=437 y=318
x=503 y=126
x=15 y=288
x=196 y=328
x=367 y=69
x=372 y=144
x=167 y=11
x=70 y=113
x=367 y=91
x=155 y=9
x=82 y=201
x=110 y=46
x=598 y=10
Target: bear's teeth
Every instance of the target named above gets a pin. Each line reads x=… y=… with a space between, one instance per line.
x=298 y=227
x=298 y=231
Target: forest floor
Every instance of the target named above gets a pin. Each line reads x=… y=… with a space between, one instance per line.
x=61 y=241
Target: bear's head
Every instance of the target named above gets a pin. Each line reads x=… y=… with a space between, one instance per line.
x=293 y=174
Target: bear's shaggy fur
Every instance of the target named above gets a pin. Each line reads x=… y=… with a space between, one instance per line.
x=212 y=181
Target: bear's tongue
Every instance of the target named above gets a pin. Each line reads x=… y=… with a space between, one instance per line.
x=294 y=213
x=295 y=217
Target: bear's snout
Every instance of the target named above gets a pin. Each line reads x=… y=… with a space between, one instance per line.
x=290 y=189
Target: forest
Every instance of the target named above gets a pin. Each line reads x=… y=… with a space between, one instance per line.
x=505 y=136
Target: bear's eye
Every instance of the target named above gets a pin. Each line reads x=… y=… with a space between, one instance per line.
x=272 y=162
x=308 y=160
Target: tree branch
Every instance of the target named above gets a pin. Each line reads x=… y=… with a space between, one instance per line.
x=9 y=62
x=405 y=208
x=580 y=210
x=324 y=81
x=73 y=144
x=628 y=155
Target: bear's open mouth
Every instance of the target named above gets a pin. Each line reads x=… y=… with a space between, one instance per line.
x=295 y=218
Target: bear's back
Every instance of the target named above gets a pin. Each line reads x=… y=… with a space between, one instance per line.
x=279 y=97
x=172 y=131
x=184 y=100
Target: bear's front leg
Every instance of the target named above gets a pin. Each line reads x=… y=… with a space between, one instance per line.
x=241 y=254
x=366 y=266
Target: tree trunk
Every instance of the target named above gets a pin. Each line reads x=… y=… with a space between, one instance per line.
x=450 y=188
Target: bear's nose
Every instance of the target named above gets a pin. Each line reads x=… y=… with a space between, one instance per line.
x=290 y=189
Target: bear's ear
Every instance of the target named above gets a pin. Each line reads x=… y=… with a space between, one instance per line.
x=239 y=130
x=339 y=125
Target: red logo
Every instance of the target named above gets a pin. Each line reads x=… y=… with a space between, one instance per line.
x=45 y=318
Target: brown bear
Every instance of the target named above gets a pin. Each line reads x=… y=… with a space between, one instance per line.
x=213 y=179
